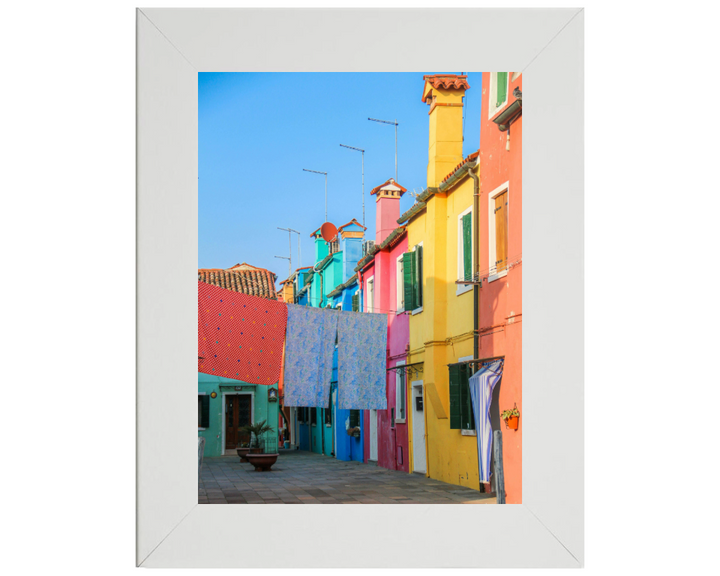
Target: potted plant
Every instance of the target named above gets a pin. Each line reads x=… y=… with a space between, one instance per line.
x=243 y=450
x=511 y=418
x=262 y=462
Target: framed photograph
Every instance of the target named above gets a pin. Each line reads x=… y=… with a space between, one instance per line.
x=352 y=180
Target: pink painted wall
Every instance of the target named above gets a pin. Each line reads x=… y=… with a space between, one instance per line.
x=501 y=300
x=392 y=440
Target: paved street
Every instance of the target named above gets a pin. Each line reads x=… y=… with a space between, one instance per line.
x=301 y=477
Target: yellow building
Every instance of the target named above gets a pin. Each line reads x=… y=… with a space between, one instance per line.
x=440 y=245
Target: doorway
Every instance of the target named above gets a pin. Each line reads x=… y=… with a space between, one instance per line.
x=238 y=413
x=418 y=428
x=373 y=436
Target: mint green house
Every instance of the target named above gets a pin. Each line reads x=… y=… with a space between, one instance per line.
x=226 y=405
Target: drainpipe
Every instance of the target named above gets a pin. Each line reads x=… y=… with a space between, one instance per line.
x=476 y=250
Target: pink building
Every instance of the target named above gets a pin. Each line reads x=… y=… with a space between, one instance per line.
x=380 y=280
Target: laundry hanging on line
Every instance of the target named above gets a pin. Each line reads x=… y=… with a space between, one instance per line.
x=309 y=347
x=240 y=336
x=362 y=361
x=482 y=384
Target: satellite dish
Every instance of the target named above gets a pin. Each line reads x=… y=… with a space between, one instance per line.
x=328 y=232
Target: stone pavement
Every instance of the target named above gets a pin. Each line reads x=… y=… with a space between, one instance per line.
x=301 y=477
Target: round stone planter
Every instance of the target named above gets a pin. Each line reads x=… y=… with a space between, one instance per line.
x=243 y=452
x=262 y=462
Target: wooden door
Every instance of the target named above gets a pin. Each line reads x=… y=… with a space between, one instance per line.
x=238 y=413
x=501 y=231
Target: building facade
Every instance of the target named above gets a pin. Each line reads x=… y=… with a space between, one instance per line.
x=226 y=405
x=380 y=272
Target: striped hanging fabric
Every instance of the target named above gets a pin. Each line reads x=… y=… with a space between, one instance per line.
x=482 y=384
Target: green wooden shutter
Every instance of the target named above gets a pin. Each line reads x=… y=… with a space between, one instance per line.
x=455 y=403
x=418 y=272
x=408 y=280
x=501 y=88
x=468 y=422
x=356 y=302
x=467 y=246
x=205 y=420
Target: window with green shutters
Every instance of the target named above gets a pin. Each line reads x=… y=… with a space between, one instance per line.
x=461 y=413
x=356 y=302
x=412 y=278
x=501 y=88
x=354 y=418
x=203 y=411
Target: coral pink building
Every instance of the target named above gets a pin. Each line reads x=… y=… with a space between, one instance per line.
x=500 y=298
x=380 y=280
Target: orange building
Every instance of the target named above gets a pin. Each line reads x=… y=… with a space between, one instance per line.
x=500 y=252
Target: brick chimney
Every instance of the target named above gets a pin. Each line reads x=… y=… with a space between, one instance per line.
x=387 y=208
x=444 y=94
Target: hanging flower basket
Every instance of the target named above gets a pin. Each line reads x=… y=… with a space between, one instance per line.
x=511 y=418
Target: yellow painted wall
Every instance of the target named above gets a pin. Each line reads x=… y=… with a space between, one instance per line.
x=442 y=333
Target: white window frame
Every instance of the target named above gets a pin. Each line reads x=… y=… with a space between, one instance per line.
x=463 y=288
x=492 y=254
x=399 y=379
x=492 y=92
x=370 y=294
x=418 y=310
x=399 y=285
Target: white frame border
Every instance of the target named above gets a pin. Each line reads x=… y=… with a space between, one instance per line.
x=173 y=45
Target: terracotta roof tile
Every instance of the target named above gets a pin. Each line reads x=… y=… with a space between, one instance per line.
x=386 y=183
x=448 y=81
x=465 y=160
x=353 y=221
x=242 y=278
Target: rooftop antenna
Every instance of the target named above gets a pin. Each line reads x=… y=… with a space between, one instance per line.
x=289 y=263
x=325 y=173
x=289 y=230
x=363 y=176
x=395 y=123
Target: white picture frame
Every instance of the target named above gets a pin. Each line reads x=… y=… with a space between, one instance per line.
x=173 y=45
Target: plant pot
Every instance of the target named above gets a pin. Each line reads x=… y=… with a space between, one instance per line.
x=512 y=422
x=262 y=462
x=256 y=450
x=243 y=452
x=286 y=444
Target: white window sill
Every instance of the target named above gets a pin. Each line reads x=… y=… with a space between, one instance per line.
x=463 y=288
x=469 y=432
x=400 y=311
x=201 y=429
x=328 y=425
x=417 y=311
x=497 y=276
x=400 y=421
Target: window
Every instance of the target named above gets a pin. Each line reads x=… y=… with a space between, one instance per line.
x=498 y=92
x=354 y=418
x=465 y=250
x=400 y=394
x=313 y=416
x=203 y=411
x=328 y=416
x=412 y=279
x=461 y=413
x=498 y=231
x=356 y=302
x=370 y=297
x=399 y=286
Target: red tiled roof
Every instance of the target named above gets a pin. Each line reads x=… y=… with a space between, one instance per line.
x=464 y=161
x=390 y=181
x=448 y=81
x=353 y=221
x=242 y=278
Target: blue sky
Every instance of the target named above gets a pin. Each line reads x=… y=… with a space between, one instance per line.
x=257 y=131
